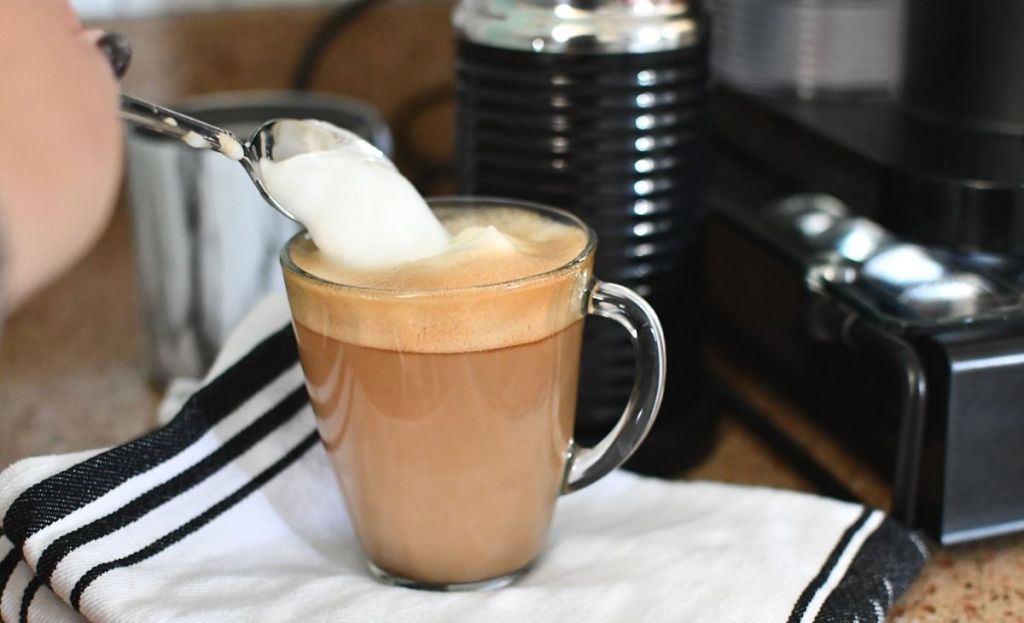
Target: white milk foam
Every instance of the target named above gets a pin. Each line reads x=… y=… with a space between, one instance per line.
x=359 y=210
x=487 y=246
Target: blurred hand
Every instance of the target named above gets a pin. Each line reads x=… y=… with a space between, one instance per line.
x=60 y=142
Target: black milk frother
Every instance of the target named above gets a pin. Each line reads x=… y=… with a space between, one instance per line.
x=601 y=107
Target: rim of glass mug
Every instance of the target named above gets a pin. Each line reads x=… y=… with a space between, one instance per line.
x=456 y=201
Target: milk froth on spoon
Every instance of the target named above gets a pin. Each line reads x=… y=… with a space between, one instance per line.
x=359 y=210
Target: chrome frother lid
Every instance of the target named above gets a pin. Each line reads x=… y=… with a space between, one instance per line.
x=582 y=26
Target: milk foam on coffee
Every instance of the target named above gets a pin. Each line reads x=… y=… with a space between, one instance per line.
x=459 y=300
x=485 y=247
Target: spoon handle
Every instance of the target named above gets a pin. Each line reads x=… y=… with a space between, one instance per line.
x=189 y=130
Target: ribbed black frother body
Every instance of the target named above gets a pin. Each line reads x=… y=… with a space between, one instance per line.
x=619 y=138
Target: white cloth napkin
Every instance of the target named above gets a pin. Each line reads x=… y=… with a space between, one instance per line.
x=230 y=513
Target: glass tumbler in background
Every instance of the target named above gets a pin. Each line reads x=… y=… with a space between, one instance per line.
x=448 y=413
x=206 y=243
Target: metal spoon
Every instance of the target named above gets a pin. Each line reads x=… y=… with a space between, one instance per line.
x=200 y=135
x=275 y=139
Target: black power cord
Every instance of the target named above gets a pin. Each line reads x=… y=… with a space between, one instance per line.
x=336 y=22
x=425 y=173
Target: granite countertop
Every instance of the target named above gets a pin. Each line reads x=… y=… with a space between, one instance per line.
x=71 y=374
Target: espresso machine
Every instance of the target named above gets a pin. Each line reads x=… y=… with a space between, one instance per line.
x=865 y=241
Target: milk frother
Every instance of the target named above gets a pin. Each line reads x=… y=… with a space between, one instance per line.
x=600 y=107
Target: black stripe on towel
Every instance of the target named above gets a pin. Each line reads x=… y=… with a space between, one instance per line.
x=826 y=570
x=195 y=524
x=26 y=599
x=884 y=567
x=7 y=566
x=61 y=494
x=165 y=492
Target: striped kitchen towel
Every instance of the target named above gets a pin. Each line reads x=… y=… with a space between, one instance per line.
x=230 y=513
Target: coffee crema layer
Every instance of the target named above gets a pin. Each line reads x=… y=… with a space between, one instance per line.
x=497 y=285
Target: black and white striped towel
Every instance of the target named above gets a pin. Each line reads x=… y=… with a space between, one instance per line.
x=230 y=513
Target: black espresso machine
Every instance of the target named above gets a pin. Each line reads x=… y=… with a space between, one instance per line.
x=866 y=244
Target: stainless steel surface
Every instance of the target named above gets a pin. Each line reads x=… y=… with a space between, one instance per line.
x=564 y=26
x=808 y=48
x=200 y=135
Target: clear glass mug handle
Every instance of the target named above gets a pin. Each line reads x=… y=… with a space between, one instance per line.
x=587 y=465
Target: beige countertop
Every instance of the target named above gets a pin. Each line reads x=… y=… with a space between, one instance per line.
x=71 y=374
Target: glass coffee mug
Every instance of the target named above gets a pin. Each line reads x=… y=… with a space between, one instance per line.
x=448 y=413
